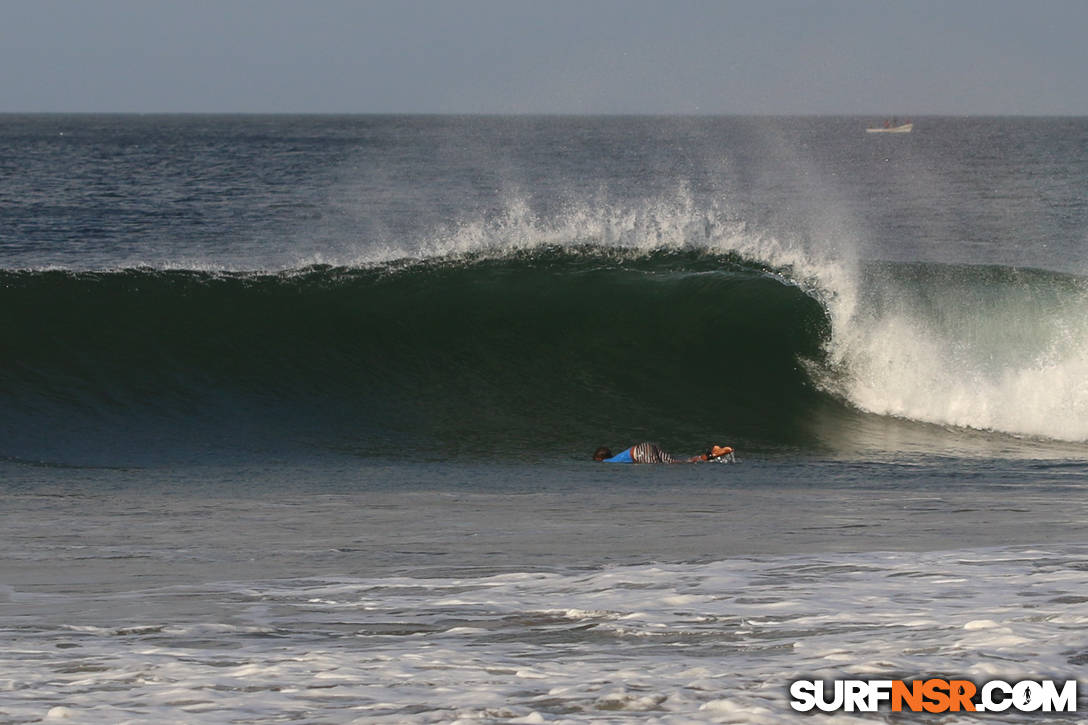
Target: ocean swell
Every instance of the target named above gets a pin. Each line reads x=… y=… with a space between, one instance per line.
x=537 y=351
x=542 y=352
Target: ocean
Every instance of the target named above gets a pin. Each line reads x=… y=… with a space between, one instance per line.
x=297 y=415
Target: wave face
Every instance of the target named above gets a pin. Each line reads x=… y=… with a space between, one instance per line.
x=535 y=353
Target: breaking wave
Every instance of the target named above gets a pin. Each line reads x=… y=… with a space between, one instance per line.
x=540 y=339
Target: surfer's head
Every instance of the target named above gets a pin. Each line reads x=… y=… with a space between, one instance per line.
x=602 y=453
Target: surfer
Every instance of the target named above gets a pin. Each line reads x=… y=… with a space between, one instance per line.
x=653 y=453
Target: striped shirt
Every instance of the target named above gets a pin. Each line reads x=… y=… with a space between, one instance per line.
x=650 y=453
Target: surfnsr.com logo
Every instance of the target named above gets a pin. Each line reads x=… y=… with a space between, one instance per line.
x=933 y=695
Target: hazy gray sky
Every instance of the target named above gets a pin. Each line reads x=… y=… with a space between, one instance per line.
x=912 y=57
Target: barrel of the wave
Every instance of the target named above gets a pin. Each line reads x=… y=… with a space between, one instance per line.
x=144 y=365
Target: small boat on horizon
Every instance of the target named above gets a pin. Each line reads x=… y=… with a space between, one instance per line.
x=892 y=126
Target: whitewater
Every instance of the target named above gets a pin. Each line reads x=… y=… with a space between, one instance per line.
x=296 y=415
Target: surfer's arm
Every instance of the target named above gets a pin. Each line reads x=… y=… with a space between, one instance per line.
x=710 y=455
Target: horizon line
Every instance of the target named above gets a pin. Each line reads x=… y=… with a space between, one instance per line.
x=548 y=114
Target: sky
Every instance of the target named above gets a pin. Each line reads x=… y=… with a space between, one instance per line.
x=789 y=57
